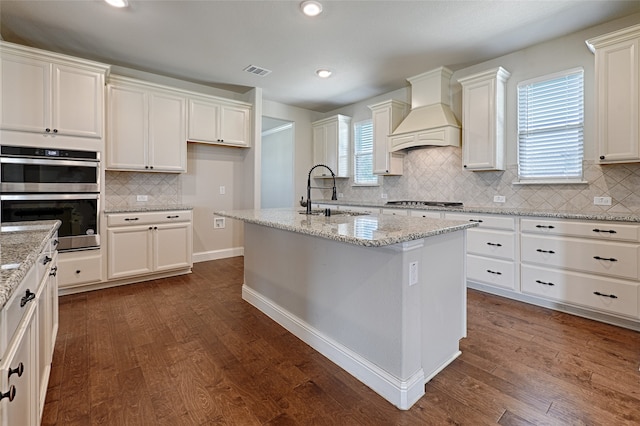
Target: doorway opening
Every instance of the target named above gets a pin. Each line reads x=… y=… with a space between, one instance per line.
x=276 y=178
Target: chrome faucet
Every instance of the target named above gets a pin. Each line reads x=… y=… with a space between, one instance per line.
x=334 y=196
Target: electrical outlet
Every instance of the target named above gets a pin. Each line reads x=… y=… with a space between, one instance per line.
x=383 y=195
x=602 y=201
x=413 y=273
x=340 y=195
x=499 y=199
x=222 y=190
x=142 y=198
x=218 y=222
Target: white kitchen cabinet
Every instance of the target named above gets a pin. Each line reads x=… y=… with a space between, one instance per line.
x=147 y=127
x=331 y=146
x=386 y=116
x=218 y=121
x=617 y=65
x=491 y=250
x=483 y=120
x=146 y=243
x=592 y=265
x=50 y=94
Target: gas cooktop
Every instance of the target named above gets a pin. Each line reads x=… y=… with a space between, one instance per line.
x=425 y=203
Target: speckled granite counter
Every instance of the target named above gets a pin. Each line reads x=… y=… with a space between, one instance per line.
x=20 y=245
x=363 y=230
x=145 y=208
x=616 y=217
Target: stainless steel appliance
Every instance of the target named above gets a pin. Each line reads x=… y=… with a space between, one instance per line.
x=45 y=184
x=425 y=203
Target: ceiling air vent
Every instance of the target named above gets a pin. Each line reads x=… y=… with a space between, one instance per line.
x=257 y=70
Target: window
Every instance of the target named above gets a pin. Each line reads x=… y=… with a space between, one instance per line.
x=363 y=154
x=550 y=128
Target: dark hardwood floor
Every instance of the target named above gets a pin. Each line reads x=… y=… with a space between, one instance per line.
x=189 y=351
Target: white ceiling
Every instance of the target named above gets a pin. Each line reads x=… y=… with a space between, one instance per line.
x=371 y=46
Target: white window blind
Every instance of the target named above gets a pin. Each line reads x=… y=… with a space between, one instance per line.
x=550 y=128
x=363 y=154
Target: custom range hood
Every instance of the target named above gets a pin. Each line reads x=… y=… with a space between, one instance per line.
x=430 y=121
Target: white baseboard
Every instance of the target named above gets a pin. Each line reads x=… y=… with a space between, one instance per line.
x=401 y=393
x=217 y=254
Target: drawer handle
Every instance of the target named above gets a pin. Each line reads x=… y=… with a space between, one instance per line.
x=53 y=272
x=610 y=259
x=545 y=226
x=173 y=217
x=494 y=244
x=129 y=219
x=11 y=393
x=494 y=272
x=610 y=231
x=28 y=297
x=46 y=260
x=78 y=271
x=56 y=242
x=18 y=370
x=545 y=251
x=613 y=296
x=475 y=220
x=542 y=282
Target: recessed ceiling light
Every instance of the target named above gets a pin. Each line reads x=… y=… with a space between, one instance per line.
x=311 y=8
x=118 y=3
x=324 y=73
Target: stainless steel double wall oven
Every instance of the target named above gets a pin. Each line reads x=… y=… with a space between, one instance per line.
x=44 y=184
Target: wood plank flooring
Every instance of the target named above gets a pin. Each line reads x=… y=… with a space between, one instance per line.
x=189 y=351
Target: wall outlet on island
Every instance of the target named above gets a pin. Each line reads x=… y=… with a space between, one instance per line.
x=602 y=201
x=142 y=198
x=499 y=199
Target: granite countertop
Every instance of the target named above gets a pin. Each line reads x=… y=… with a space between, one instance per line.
x=357 y=228
x=20 y=245
x=147 y=208
x=615 y=217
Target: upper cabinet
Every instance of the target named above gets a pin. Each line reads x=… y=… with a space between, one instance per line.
x=331 y=146
x=386 y=116
x=617 y=66
x=219 y=121
x=483 y=120
x=50 y=94
x=146 y=127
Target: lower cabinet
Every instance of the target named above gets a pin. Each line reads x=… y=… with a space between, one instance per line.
x=77 y=268
x=146 y=243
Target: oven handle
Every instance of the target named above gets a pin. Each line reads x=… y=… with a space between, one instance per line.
x=29 y=197
x=49 y=162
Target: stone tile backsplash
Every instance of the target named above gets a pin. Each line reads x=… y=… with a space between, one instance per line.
x=435 y=173
x=122 y=189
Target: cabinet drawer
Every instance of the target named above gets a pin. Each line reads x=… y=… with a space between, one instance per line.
x=496 y=222
x=608 y=295
x=123 y=219
x=600 y=257
x=612 y=231
x=75 y=270
x=491 y=243
x=495 y=272
x=13 y=312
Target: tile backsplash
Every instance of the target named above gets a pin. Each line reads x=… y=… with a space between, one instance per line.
x=122 y=189
x=435 y=173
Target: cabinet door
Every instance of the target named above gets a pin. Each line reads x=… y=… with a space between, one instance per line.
x=203 y=121
x=235 y=125
x=319 y=150
x=381 y=124
x=478 y=116
x=128 y=124
x=22 y=409
x=77 y=101
x=130 y=250
x=173 y=246
x=618 y=96
x=25 y=98
x=167 y=133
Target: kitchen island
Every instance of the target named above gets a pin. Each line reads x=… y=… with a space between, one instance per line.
x=381 y=296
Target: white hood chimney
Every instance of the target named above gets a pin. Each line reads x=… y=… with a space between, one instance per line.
x=430 y=121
